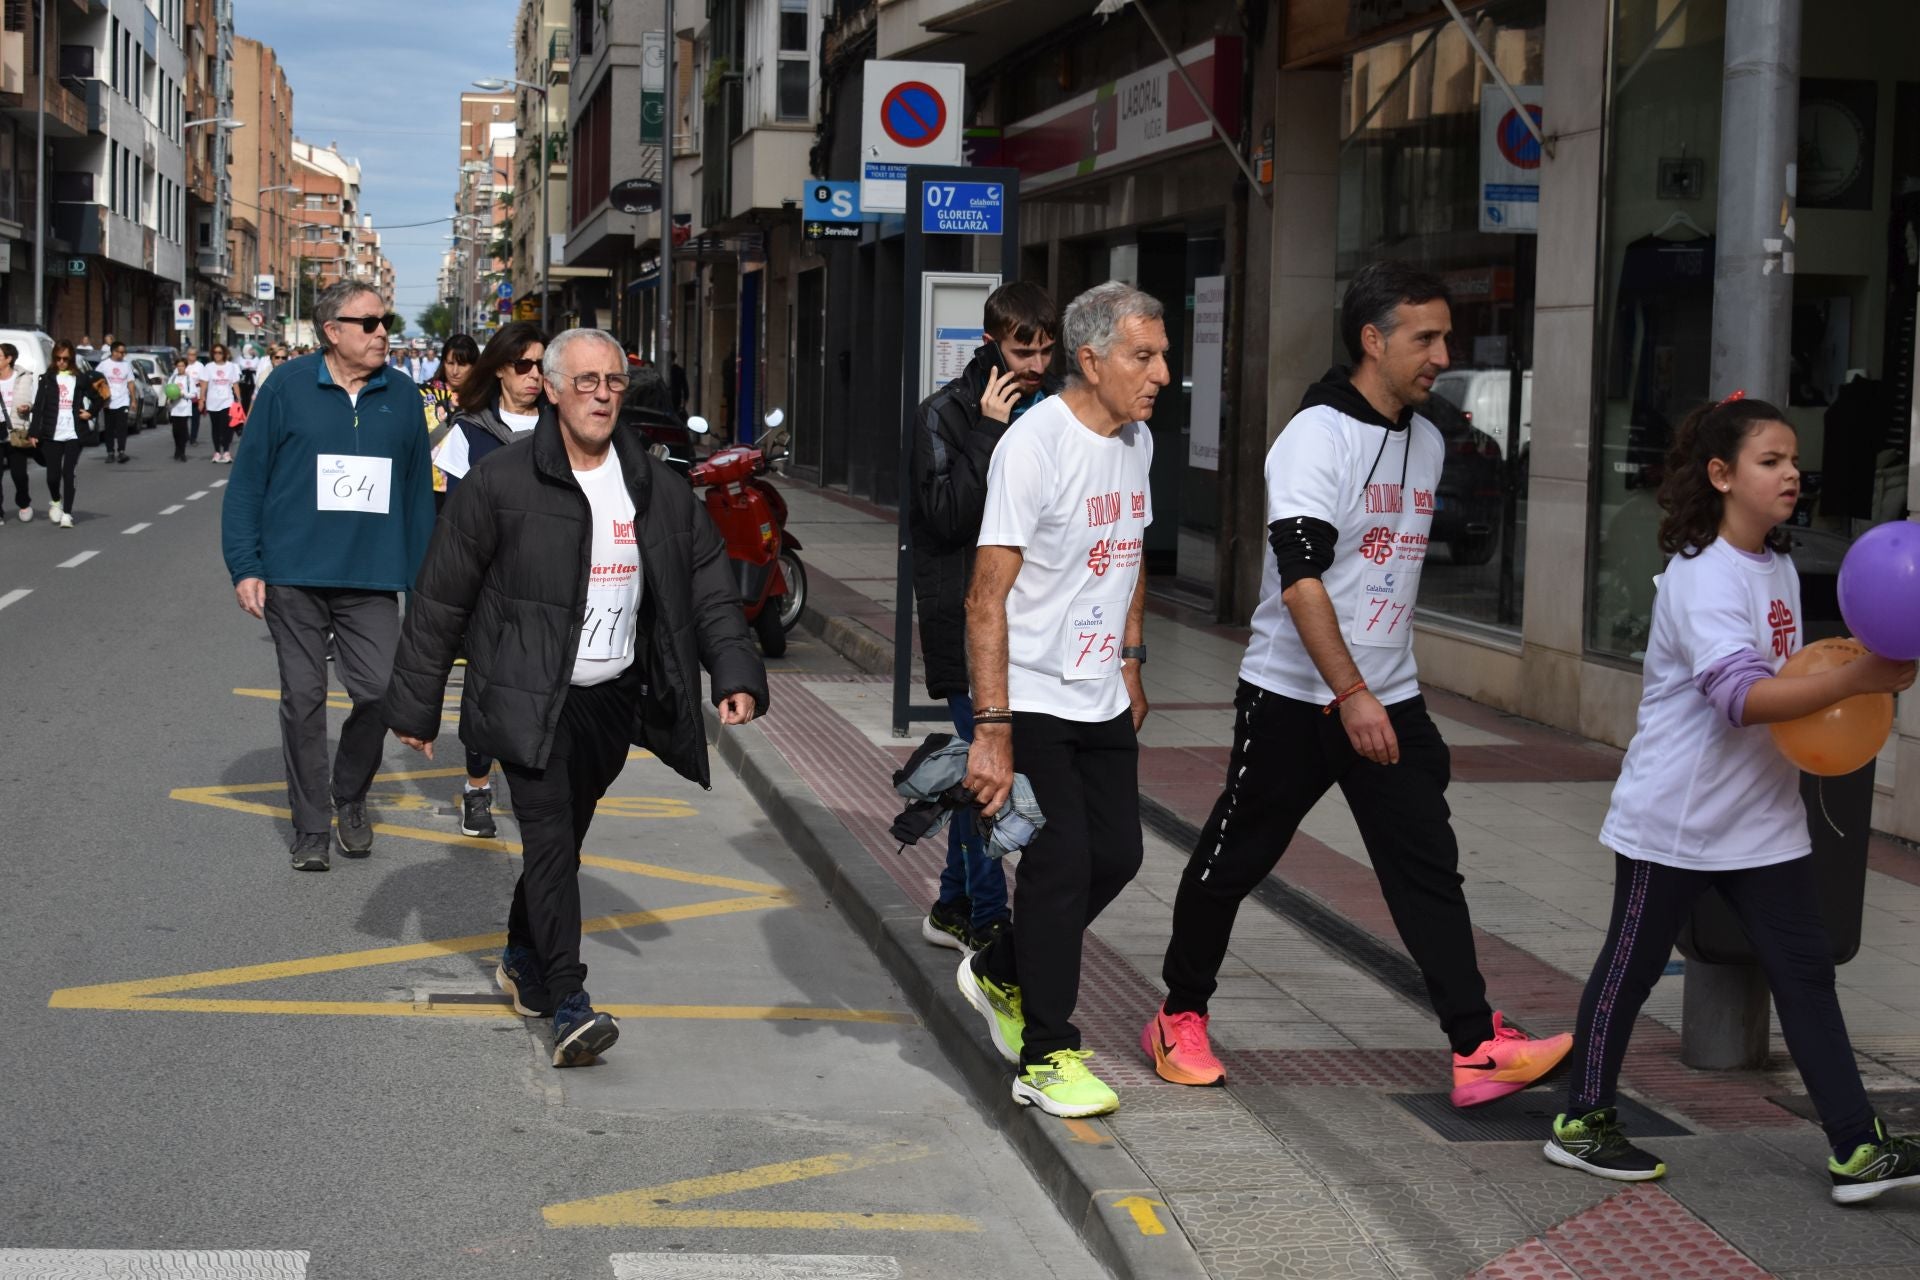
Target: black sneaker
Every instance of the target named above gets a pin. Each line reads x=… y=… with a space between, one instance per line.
x=356 y=833
x=518 y=974
x=476 y=814
x=1875 y=1167
x=949 y=924
x=579 y=1033
x=1594 y=1143
x=309 y=851
x=983 y=936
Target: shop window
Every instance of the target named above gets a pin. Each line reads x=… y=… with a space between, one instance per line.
x=1410 y=185
x=1655 y=325
x=1851 y=345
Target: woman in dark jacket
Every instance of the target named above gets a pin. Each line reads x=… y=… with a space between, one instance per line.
x=66 y=415
x=500 y=399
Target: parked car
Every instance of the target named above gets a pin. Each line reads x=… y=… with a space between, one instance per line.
x=34 y=346
x=1473 y=477
x=1483 y=396
x=151 y=410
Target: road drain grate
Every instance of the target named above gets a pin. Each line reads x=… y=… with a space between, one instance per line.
x=1522 y=1117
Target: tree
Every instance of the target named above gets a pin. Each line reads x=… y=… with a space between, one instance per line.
x=436 y=321
x=399 y=325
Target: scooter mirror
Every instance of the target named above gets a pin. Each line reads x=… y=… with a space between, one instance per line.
x=698 y=425
x=660 y=451
x=775 y=418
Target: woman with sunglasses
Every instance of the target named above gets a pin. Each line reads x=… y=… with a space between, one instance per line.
x=222 y=384
x=500 y=402
x=442 y=394
x=65 y=415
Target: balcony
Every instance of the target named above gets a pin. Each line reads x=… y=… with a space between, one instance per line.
x=13 y=62
x=559 y=57
x=66 y=111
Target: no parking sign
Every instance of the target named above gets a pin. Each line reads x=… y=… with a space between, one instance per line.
x=183 y=314
x=910 y=114
x=1509 y=161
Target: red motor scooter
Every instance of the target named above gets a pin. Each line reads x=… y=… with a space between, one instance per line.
x=752 y=517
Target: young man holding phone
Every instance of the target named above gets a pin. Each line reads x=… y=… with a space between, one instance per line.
x=954 y=433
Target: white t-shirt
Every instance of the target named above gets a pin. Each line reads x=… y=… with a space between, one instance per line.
x=7 y=401
x=221 y=380
x=64 y=428
x=118 y=374
x=1332 y=467
x=613 y=577
x=1077 y=504
x=454 y=457
x=198 y=371
x=1695 y=791
x=183 y=407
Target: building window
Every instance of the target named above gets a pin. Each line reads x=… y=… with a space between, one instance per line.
x=113 y=176
x=793 y=76
x=1409 y=189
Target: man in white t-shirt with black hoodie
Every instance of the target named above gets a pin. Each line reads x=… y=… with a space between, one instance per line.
x=1054 y=647
x=1329 y=696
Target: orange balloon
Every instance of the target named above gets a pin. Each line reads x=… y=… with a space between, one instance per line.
x=1838 y=739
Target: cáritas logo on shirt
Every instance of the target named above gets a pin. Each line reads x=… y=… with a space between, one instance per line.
x=1780 y=619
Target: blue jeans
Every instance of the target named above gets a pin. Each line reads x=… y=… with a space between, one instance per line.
x=969 y=872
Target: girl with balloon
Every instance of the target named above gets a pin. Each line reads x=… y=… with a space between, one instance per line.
x=1706 y=798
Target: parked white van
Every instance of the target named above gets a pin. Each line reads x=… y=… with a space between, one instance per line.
x=1482 y=395
x=35 y=348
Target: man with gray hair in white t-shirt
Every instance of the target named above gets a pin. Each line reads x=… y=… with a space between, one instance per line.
x=1054 y=648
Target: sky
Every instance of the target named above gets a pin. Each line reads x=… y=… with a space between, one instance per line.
x=383 y=79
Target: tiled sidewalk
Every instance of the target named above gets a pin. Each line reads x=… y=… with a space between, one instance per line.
x=1311 y=1164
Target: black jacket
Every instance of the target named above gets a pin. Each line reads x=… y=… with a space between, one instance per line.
x=46 y=408
x=507 y=574
x=952 y=445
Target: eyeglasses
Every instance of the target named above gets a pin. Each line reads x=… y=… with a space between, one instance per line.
x=369 y=323
x=588 y=383
x=525 y=366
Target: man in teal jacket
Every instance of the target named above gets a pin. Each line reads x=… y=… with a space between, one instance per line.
x=328 y=513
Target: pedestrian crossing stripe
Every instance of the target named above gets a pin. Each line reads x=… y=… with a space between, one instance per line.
x=152 y=1264
x=648 y=1206
x=754 y=1266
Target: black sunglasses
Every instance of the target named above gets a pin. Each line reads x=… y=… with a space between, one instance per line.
x=369 y=323
x=525 y=365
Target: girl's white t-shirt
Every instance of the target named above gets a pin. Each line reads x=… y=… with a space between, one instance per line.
x=1077 y=504
x=221 y=379
x=1696 y=791
x=183 y=407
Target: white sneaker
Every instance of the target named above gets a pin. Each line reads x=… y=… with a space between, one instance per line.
x=53 y=512
x=66 y=521
x=26 y=514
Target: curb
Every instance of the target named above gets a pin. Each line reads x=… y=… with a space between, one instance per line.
x=1085 y=1170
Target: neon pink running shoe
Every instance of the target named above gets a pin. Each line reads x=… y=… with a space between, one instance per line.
x=1177 y=1045
x=1505 y=1064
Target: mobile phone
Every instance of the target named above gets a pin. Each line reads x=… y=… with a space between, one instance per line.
x=995 y=357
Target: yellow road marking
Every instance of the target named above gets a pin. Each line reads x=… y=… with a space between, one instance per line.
x=224 y=797
x=123 y=995
x=642 y=1206
x=1081 y=1131
x=405 y=1009
x=1144 y=1217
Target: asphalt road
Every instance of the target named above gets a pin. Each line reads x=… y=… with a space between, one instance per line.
x=207 y=1051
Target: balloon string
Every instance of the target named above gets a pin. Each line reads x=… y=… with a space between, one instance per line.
x=1821 y=786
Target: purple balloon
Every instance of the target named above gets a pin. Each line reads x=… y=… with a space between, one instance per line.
x=1880 y=589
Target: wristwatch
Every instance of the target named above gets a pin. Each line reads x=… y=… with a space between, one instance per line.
x=1138 y=652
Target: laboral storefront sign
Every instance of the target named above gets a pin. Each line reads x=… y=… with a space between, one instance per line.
x=1148 y=113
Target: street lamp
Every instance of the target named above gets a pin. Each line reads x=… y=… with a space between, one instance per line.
x=225 y=122
x=546 y=244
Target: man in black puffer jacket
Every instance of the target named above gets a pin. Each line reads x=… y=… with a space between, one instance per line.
x=954 y=433
x=589 y=588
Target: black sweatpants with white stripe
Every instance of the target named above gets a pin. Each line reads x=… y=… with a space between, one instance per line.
x=1286 y=754
x=1779 y=907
